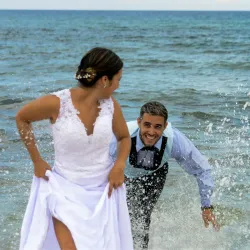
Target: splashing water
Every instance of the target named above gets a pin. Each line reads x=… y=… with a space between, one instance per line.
x=177 y=223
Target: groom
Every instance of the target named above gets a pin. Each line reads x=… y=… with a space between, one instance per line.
x=154 y=142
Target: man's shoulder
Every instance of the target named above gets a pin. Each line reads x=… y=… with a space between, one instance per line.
x=132 y=127
x=168 y=132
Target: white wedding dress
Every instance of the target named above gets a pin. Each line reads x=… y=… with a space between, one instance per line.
x=77 y=190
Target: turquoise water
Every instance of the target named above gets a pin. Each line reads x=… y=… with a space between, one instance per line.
x=196 y=63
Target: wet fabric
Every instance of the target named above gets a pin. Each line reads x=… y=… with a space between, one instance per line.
x=143 y=193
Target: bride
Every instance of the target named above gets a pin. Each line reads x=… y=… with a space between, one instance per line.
x=80 y=203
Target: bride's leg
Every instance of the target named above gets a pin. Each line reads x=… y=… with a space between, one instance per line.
x=63 y=236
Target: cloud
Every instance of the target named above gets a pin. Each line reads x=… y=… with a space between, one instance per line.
x=226 y=1
x=127 y=4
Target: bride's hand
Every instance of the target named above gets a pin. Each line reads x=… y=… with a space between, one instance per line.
x=40 y=167
x=116 y=176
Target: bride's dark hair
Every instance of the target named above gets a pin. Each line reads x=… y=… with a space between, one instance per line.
x=96 y=63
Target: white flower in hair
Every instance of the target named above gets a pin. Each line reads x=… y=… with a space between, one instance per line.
x=88 y=74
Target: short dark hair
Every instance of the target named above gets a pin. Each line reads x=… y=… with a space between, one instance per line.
x=154 y=108
x=96 y=63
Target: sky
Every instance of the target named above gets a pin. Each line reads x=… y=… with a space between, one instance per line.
x=127 y=4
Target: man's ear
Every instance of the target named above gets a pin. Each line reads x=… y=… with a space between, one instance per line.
x=166 y=124
x=139 y=121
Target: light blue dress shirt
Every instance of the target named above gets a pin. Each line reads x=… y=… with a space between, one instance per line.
x=193 y=162
x=189 y=157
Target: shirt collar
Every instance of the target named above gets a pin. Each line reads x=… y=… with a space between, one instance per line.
x=140 y=145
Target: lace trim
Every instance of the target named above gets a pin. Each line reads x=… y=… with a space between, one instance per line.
x=67 y=108
x=107 y=107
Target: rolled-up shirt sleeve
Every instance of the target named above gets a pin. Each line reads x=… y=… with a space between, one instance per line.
x=194 y=163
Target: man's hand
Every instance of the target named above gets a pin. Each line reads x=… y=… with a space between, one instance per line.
x=209 y=217
x=116 y=177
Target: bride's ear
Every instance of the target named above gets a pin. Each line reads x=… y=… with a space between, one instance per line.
x=104 y=82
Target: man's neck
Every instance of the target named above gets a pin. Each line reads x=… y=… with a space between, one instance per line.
x=140 y=144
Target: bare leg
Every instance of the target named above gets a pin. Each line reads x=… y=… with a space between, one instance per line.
x=63 y=236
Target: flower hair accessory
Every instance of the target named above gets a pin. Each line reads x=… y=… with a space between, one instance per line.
x=89 y=74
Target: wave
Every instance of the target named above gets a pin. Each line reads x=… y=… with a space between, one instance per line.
x=201 y=115
x=47 y=30
x=214 y=51
x=11 y=101
x=2 y=132
x=236 y=65
x=157 y=62
x=181 y=45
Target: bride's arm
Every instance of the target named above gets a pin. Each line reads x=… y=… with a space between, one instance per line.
x=120 y=129
x=42 y=108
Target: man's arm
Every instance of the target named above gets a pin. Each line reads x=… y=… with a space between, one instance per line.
x=188 y=156
x=194 y=163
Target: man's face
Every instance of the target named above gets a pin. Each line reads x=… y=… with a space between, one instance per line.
x=151 y=128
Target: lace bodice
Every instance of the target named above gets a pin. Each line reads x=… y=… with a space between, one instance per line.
x=76 y=153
